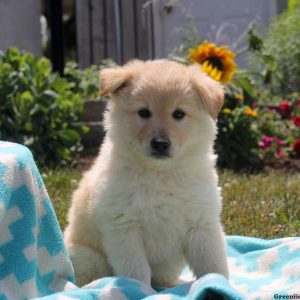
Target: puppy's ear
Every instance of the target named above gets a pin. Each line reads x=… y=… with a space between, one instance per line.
x=211 y=92
x=111 y=79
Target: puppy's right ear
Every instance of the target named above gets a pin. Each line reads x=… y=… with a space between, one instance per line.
x=111 y=79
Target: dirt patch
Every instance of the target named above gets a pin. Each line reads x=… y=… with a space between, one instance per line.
x=282 y=164
x=83 y=163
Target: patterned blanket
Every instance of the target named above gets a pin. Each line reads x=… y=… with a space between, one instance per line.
x=35 y=264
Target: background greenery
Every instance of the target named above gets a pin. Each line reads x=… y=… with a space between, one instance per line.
x=38 y=108
x=276 y=56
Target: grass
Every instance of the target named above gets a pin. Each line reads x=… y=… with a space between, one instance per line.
x=261 y=205
x=60 y=185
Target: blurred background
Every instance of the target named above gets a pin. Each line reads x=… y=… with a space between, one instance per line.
x=89 y=31
x=51 y=52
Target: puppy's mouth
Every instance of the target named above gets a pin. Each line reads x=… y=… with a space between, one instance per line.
x=157 y=155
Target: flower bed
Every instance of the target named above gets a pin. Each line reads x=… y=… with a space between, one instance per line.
x=280 y=130
x=260 y=119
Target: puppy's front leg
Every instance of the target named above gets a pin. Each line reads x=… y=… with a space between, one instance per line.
x=126 y=255
x=205 y=250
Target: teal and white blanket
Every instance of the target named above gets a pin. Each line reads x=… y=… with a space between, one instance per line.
x=34 y=262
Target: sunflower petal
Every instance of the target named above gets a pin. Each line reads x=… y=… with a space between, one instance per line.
x=218 y=62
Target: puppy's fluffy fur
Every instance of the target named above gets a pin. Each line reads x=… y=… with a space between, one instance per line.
x=142 y=215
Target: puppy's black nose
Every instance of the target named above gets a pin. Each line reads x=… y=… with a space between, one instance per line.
x=160 y=146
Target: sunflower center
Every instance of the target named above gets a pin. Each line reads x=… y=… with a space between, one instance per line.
x=216 y=62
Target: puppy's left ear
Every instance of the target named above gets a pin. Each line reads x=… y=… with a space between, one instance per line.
x=211 y=92
x=111 y=79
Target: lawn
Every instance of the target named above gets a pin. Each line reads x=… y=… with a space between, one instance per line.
x=261 y=205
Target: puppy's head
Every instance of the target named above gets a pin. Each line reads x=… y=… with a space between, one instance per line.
x=161 y=110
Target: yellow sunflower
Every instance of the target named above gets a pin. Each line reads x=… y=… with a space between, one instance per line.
x=217 y=62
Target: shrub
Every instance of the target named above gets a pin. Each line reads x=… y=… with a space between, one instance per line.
x=38 y=108
x=237 y=137
x=85 y=82
x=278 y=54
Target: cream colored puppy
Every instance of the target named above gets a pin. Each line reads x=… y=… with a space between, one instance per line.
x=151 y=202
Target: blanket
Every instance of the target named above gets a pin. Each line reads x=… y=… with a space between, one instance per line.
x=34 y=262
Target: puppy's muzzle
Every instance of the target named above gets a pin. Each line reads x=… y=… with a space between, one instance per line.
x=160 y=147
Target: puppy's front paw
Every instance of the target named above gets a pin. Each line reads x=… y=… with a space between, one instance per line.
x=205 y=252
x=130 y=260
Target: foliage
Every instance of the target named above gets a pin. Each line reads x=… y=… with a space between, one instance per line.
x=277 y=56
x=38 y=108
x=236 y=142
x=85 y=82
x=293 y=4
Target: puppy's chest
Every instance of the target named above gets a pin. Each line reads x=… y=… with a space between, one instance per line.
x=161 y=216
x=159 y=210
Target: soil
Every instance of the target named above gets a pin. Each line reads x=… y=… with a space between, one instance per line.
x=83 y=163
x=282 y=164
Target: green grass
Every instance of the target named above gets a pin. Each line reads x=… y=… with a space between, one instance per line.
x=60 y=184
x=261 y=205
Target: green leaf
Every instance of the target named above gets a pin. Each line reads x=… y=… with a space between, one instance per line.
x=69 y=136
x=49 y=95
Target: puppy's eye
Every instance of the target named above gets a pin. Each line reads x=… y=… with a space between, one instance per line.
x=178 y=114
x=145 y=113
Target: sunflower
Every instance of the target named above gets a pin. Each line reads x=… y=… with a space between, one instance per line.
x=217 y=62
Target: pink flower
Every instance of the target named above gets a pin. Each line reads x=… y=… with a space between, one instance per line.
x=266 y=141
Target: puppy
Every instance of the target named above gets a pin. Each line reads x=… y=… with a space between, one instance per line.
x=151 y=201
